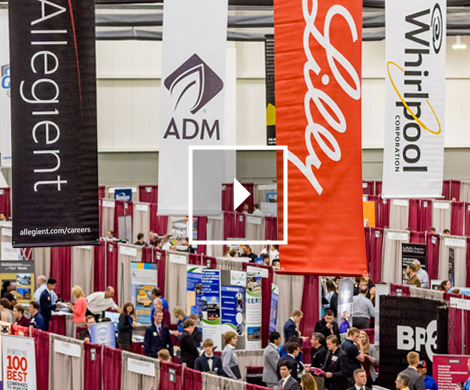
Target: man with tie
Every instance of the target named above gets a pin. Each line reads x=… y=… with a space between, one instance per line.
x=46 y=307
x=287 y=382
x=271 y=359
x=208 y=362
x=188 y=347
x=157 y=337
x=360 y=380
x=291 y=325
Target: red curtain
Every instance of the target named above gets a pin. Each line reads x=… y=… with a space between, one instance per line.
x=99 y=277
x=467 y=218
x=158 y=223
x=147 y=252
x=41 y=346
x=5 y=204
x=160 y=256
x=368 y=187
x=165 y=383
x=367 y=240
x=61 y=270
x=250 y=200
x=384 y=216
x=378 y=188
x=467 y=322
x=101 y=192
x=201 y=233
x=375 y=257
x=394 y=288
x=227 y=197
x=57 y=324
x=112 y=267
x=454 y=331
x=270 y=228
x=209 y=262
x=239 y=231
x=310 y=306
x=100 y=216
x=432 y=267
x=148 y=194
x=413 y=215
x=229 y=224
x=446 y=189
x=266 y=286
x=112 y=360
x=92 y=370
x=192 y=379
x=194 y=259
x=121 y=208
x=418 y=237
x=457 y=218
x=468 y=271
x=455 y=189
x=425 y=215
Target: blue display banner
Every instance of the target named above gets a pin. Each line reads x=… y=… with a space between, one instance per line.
x=194 y=290
x=233 y=308
x=123 y=194
x=274 y=306
x=103 y=333
x=144 y=279
x=211 y=321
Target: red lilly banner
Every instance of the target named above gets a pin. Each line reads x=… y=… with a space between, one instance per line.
x=318 y=117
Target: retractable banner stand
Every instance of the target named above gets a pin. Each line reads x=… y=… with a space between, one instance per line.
x=5 y=126
x=192 y=98
x=414 y=98
x=53 y=109
x=318 y=116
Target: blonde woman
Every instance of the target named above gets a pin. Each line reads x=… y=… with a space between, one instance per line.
x=371 y=360
x=80 y=306
x=181 y=316
x=307 y=382
x=229 y=356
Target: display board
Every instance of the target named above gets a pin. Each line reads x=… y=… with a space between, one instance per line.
x=21 y=276
x=274 y=308
x=194 y=290
x=234 y=304
x=211 y=313
x=103 y=333
x=451 y=371
x=144 y=278
x=410 y=253
x=345 y=300
x=19 y=363
x=253 y=309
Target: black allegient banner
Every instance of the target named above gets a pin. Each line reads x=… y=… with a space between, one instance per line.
x=53 y=108
x=410 y=253
x=409 y=324
x=270 y=95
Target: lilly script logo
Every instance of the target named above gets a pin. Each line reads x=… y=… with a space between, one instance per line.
x=192 y=86
x=326 y=106
x=428 y=31
x=5 y=78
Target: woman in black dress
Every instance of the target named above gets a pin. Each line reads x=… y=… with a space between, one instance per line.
x=126 y=325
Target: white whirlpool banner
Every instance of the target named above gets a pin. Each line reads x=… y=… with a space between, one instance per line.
x=192 y=97
x=5 y=126
x=414 y=98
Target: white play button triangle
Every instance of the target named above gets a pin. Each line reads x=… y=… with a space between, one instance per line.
x=239 y=194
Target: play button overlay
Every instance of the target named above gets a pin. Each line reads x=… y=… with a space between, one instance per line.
x=240 y=193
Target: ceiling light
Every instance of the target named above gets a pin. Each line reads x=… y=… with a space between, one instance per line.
x=458 y=45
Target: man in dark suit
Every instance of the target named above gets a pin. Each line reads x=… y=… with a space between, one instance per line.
x=327 y=325
x=360 y=380
x=208 y=362
x=45 y=303
x=416 y=380
x=318 y=351
x=287 y=382
x=157 y=337
x=336 y=366
x=189 y=351
x=293 y=350
x=291 y=325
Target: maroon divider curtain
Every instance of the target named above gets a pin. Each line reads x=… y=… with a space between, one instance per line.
x=41 y=347
x=367 y=240
x=468 y=271
x=239 y=231
x=266 y=292
x=229 y=224
x=432 y=267
x=209 y=262
x=378 y=188
x=121 y=208
x=446 y=189
x=467 y=323
x=425 y=215
x=310 y=305
x=201 y=234
x=384 y=213
x=250 y=200
x=375 y=256
x=417 y=237
x=99 y=273
x=455 y=189
x=57 y=324
x=227 y=197
x=165 y=383
x=101 y=192
x=5 y=203
x=467 y=218
x=454 y=331
x=457 y=218
x=192 y=379
x=92 y=371
x=160 y=257
x=112 y=267
x=414 y=213
x=147 y=252
x=368 y=187
x=158 y=223
x=61 y=270
x=100 y=216
x=112 y=361
x=148 y=194
x=194 y=259
x=270 y=228
x=405 y=290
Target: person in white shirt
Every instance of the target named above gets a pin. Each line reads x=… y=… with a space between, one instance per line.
x=101 y=301
x=360 y=380
x=287 y=382
x=41 y=285
x=257 y=212
x=421 y=274
x=166 y=243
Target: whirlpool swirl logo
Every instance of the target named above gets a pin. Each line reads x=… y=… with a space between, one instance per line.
x=5 y=78
x=437 y=28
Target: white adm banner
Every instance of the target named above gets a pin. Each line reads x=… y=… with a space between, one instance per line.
x=192 y=97
x=5 y=127
x=415 y=98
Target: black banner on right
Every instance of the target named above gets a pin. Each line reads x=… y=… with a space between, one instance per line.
x=270 y=94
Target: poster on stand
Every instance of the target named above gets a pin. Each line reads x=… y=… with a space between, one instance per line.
x=21 y=276
x=233 y=304
x=143 y=279
x=274 y=306
x=451 y=371
x=211 y=315
x=103 y=333
x=345 y=301
x=411 y=252
x=253 y=310
x=194 y=290
x=19 y=363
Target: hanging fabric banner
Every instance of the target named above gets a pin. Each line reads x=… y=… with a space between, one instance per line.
x=414 y=98
x=5 y=123
x=318 y=116
x=53 y=108
x=192 y=94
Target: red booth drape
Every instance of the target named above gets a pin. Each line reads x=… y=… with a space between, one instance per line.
x=310 y=306
x=92 y=370
x=148 y=194
x=455 y=189
x=5 y=204
x=165 y=383
x=378 y=188
x=446 y=189
x=99 y=277
x=457 y=218
x=41 y=347
x=414 y=213
x=158 y=223
x=229 y=224
x=418 y=237
x=101 y=192
x=112 y=267
x=227 y=197
x=201 y=233
x=112 y=360
x=270 y=228
x=432 y=242
x=160 y=256
x=375 y=255
x=468 y=270
x=61 y=270
x=368 y=187
x=209 y=262
x=192 y=379
x=239 y=230
x=454 y=331
x=250 y=200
